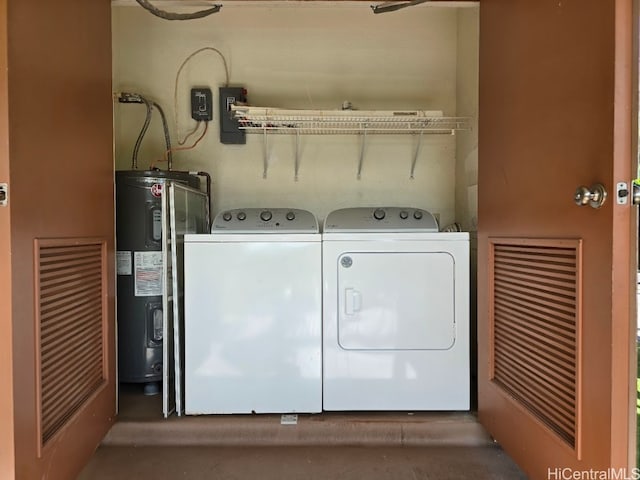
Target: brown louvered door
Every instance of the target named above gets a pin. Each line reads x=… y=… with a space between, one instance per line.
x=556 y=282
x=71 y=310
x=535 y=318
x=57 y=348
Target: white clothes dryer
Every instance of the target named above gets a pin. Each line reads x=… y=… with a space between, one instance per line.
x=395 y=312
x=253 y=321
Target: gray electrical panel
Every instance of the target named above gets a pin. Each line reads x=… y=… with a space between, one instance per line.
x=230 y=132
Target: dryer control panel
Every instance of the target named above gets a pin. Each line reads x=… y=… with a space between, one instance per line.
x=265 y=220
x=380 y=219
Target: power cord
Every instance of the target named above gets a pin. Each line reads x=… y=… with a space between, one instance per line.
x=177 y=16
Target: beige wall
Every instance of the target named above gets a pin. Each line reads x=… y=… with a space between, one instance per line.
x=301 y=57
x=467 y=101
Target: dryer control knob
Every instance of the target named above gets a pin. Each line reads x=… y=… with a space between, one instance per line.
x=417 y=214
x=378 y=214
x=242 y=216
x=404 y=215
x=226 y=216
x=266 y=216
x=290 y=216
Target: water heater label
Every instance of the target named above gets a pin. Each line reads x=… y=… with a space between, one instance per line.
x=123 y=262
x=148 y=273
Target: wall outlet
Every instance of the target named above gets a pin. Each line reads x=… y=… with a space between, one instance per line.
x=201 y=104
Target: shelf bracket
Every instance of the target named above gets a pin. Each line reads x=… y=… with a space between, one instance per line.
x=297 y=159
x=265 y=160
x=362 y=149
x=415 y=155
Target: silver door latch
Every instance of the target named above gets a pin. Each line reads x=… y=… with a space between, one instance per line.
x=623 y=192
x=4 y=194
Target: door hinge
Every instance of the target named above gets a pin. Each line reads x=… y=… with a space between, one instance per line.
x=4 y=194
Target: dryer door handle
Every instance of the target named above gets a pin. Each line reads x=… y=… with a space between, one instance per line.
x=352 y=301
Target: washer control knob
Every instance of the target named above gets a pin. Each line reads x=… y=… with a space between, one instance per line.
x=266 y=216
x=404 y=215
x=241 y=216
x=290 y=216
x=226 y=216
x=378 y=214
x=417 y=214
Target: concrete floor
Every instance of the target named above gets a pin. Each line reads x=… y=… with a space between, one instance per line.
x=308 y=463
x=372 y=446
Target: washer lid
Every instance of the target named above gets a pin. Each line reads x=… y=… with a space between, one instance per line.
x=379 y=219
x=265 y=220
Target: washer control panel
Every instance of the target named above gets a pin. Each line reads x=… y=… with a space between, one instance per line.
x=265 y=220
x=379 y=219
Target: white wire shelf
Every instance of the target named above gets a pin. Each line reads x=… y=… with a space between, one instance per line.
x=268 y=121
x=346 y=122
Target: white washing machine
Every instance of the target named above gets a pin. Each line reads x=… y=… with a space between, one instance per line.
x=253 y=314
x=396 y=312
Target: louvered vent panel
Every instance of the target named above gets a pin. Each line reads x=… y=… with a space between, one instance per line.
x=536 y=329
x=70 y=320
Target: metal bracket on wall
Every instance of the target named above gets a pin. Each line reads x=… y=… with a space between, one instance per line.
x=265 y=161
x=297 y=162
x=362 y=149
x=4 y=194
x=415 y=156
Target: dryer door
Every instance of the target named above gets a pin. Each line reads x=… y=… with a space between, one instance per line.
x=396 y=301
